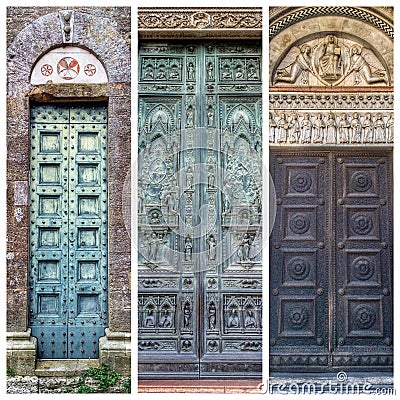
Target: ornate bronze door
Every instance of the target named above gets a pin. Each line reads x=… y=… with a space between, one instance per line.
x=68 y=271
x=331 y=261
x=199 y=210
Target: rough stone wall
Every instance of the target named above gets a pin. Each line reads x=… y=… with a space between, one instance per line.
x=31 y=32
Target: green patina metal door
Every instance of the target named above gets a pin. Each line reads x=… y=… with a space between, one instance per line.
x=68 y=237
x=199 y=210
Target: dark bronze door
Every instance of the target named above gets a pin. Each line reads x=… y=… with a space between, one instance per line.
x=199 y=210
x=331 y=261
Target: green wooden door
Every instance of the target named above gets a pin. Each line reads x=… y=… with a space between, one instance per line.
x=68 y=235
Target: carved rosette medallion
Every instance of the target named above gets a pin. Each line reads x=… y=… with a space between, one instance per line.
x=299 y=223
x=363 y=268
x=298 y=268
x=361 y=224
x=297 y=317
x=364 y=316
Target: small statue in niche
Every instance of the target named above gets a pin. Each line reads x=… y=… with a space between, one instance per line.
x=362 y=69
x=249 y=320
x=189 y=117
x=210 y=71
x=154 y=244
x=161 y=74
x=210 y=116
x=319 y=129
x=380 y=136
x=149 y=73
x=188 y=249
x=190 y=71
x=331 y=129
x=356 y=127
x=244 y=248
x=390 y=129
x=212 y=248
x=189 y=178
x=368 y=129
x=302 y=65
x=166 y=320
x=252 y=73
x=168 y=198
x=212 y=316
x=294 y=129
x=226 y=73
x=140 y=196
x=344 y=129
x=283 y=126
x=187 y=315
x=239 y=73
x=306 y=127
x=227 y=195
x=211 y=179
x=233 y=319
x=149 y=321
x=174 y=74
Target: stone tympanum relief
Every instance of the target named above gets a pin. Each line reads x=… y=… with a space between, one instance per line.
x=331 y=60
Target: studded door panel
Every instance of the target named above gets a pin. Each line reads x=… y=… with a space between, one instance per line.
x=299 y=262
x=363 y=276
x=68 y=274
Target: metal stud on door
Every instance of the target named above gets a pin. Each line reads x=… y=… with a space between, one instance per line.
x=68 y=274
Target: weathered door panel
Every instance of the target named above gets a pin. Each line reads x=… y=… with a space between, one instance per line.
x=363 y=272
x=299 y=262
x=68 y=276
x=200 y=116
x=330 y=264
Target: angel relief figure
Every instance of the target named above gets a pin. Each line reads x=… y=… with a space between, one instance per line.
x=362 y=68
x=300 y=66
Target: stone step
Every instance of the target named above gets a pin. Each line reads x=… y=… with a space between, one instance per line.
x=64 y=367
x=198 y=386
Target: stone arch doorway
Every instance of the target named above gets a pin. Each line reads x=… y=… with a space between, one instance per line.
x=331 y=138
x=70 y=92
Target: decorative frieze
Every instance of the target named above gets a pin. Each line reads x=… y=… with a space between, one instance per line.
x=330 y=127
x=196 y=18
x=328 y=101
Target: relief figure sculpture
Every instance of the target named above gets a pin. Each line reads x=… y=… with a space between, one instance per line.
x=356 y=127
x=302 y=65
x=361 y=68
x=329 y=61
x=212 y=316
x=318 y=129
x=331 y=129
x=368 y=129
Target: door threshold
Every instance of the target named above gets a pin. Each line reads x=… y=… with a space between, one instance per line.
x=63 y=367
x=199 y=386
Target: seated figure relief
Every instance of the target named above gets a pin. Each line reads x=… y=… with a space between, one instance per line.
x=331 y=60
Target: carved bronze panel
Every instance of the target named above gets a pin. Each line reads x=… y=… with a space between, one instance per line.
x=331 y=261
x=199 y=210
